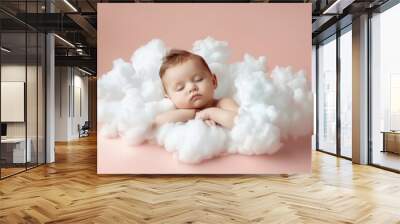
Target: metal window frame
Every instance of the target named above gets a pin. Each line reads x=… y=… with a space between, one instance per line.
x=381 y=9
x=339 y=32
x=387 y=5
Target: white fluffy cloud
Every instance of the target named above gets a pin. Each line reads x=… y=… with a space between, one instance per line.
x=273 y=107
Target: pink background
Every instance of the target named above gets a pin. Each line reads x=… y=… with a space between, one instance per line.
x=281 y=32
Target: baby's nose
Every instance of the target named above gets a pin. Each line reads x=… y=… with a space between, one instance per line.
x=193 y=88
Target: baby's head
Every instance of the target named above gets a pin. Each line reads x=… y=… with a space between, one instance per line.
x=187 y=80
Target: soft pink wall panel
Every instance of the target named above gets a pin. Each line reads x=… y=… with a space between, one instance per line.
x=281 y=32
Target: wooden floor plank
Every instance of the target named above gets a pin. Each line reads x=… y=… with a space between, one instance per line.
x=70 y=191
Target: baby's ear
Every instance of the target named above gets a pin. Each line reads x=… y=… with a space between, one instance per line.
x=214 y=80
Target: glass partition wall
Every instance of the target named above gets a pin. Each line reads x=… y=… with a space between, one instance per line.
x=385 y=89
x=327 y=95
x=22 y=88
x=334 y=86
x=13 y=90
x=345 y=61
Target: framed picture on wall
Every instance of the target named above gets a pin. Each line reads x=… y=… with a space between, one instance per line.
x=12 y=101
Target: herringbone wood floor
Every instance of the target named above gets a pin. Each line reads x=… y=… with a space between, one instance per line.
x=70 y=191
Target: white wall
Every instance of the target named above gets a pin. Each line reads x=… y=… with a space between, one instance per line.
x=17 y=73
x=80 y=109
x=71 y=87
x=33 y=126
x=62 y=81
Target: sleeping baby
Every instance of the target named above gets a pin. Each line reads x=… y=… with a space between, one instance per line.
x=189 y=83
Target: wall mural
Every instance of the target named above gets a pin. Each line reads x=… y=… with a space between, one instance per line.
x=188 y=88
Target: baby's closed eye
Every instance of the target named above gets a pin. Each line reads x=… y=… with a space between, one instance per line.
x=198 y=78
x=179 y=88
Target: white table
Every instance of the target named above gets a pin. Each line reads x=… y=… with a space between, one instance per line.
x=391 y=141
x=18 y=145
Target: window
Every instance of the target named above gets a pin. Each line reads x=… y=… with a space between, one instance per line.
x=346 y=93
x=385 y=89
x=327 y=96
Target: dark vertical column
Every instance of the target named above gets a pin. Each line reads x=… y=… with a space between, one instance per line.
x=316 y=96
x=338 y=73
x=369 y=90
x=37 y=89
x=26 y=86
x=44 y=69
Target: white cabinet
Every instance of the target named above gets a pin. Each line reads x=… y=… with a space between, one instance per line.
x=16 y=147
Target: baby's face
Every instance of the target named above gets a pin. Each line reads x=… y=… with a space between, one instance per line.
x=190 y=85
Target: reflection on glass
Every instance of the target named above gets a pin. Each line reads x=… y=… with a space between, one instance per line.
x=346 y=94
x=395 y=101
x=386 y=89
x=327 y=97
x=14 y=153
x=41 y=98
x=22 y=89
x=31 y=101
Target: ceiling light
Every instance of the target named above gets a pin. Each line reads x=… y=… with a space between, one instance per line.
x=84 y=71
x=5 y=49
x=338 y=6
x=65 y=41
x=70 y=5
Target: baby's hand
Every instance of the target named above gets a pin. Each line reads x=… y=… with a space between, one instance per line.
x=206 y=115
x=210 y=123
